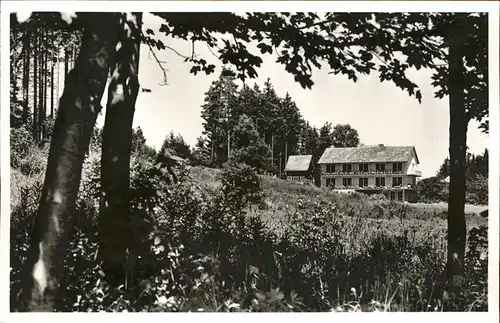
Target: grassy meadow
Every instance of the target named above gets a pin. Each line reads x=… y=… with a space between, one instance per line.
x=366 y=215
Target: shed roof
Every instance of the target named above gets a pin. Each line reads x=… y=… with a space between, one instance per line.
x=368 y=154
x=298 y=163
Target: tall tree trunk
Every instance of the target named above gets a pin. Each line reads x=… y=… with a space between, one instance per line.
x=41 y=102
x=58 y=80
x=79 y=107
x=272 y=154
x=286 y=152
x=26 y=77
x=66 y=63
x=13 y=65
x=228 y=144
x=279 y=173
x=44 y=74
x=35 y=91
x=116 y=235
x=52 y=85
x=458 y=147
x=74 y=55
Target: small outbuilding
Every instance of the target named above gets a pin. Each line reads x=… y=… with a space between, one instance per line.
x=298 y=168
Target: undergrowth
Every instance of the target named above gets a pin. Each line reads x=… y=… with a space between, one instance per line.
x=214 y=250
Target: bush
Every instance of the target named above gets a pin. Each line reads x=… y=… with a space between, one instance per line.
x=24 y=154
x=477 y=190
x=432 y=190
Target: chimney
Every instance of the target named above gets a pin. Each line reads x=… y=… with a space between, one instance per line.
x=381 y=145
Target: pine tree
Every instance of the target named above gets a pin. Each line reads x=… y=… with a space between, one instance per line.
x=218 y=113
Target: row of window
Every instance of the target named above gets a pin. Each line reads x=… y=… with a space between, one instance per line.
x=363 y=181
x=396 y=196
x=363 y=167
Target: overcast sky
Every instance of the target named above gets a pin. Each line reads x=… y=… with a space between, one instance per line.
x=380 y=112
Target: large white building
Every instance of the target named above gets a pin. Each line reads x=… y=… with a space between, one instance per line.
x=388 y=170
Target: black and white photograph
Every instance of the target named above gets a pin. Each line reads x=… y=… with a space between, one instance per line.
x=243 y=159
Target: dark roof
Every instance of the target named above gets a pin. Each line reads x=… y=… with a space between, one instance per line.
x=298 y=163
x=368 y=154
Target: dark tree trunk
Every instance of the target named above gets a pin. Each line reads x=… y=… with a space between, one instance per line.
x=45 y=76
x=286 y=153
x=58 y=72
x=13 y=65
x=116 y=236
x=458 y=147
x=272 y=154
x=52 y=85
x=74 y=55
x=35 y=91
x=79 y=106
x=66 y=63
x=26 y=78
x=41 y=86
x=44 y=89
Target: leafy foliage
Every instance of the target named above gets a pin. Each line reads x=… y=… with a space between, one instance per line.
x=432 y=190
x=435 y=189
x=177 y=145
x=249 y=147
x=345 y=136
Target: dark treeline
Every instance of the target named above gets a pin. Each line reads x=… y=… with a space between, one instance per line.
x=476 y=166
x=436 y=188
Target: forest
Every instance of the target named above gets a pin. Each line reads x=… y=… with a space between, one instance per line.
x=258 y=128
x=100 y=221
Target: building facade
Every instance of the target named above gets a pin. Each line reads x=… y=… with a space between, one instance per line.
x=388 y=170
x=298 y=168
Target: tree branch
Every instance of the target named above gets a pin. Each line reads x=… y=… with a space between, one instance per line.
x=211 y=51
x=379 y=58
x=176 y=52
x=164 y=70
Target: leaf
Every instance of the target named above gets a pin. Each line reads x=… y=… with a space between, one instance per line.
x=160 y=45
x=260 y=297
x=194 y=70
x=157 y=240
x=264 y=48
x=418 y=95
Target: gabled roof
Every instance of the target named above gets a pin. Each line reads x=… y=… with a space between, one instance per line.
x=298 y=163
x=368 y=154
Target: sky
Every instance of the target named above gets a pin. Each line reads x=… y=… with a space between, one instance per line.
x=380 y=112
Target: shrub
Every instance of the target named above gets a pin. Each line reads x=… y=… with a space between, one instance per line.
x=432 y=190
x=477 y=190
x=25 y=155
